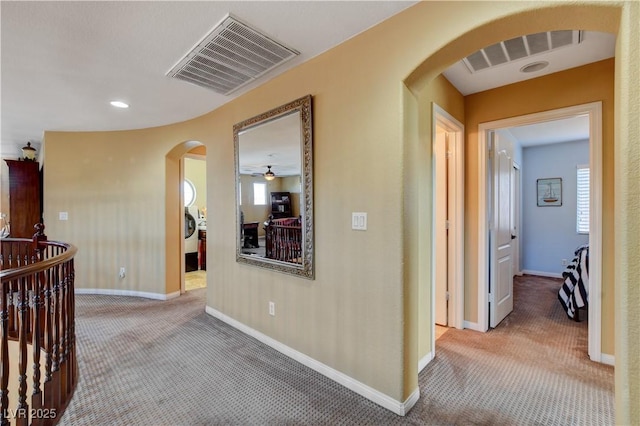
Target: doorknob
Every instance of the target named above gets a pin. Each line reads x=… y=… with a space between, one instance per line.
x=513 y=237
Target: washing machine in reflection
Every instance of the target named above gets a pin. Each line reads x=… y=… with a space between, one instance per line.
x=191 y=238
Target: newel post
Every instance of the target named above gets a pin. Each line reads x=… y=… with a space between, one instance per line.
x=39 y=235
x=37 y=238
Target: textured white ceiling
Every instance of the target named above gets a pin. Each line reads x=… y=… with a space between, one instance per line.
x=556 y=131
x=62 y=62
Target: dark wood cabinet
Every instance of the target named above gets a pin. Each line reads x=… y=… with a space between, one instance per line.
x=250 y=235
x=280 y=204
x=25 y=197
x=202 y=246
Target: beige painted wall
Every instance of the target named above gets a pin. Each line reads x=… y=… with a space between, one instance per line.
x=360 y=314
x=590 y=83
x=627 y=206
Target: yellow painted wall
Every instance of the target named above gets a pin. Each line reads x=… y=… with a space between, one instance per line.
x=196 y=171
x=360 y=315
x=198 y=150
x=589 y=83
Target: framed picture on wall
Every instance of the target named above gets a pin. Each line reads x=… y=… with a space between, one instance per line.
x=549 y=191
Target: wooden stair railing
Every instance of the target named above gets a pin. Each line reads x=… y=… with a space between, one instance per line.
x=37 y=313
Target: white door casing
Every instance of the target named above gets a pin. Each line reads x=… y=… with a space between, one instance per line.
x=500 y=239
x=455 y=209
x=440 y=189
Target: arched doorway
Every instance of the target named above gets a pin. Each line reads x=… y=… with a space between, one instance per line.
x=544 y=19
x=175 y=216
x=195 y=202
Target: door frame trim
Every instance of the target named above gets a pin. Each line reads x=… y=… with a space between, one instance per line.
x=518 y=217
x=594 y=111
x=456 y=219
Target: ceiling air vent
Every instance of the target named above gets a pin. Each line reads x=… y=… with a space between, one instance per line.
x=230 y=56
x=520 y=47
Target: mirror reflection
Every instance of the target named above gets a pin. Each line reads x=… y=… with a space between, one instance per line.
x=274 y=178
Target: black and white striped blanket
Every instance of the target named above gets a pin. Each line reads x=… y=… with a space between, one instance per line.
x=574 y=293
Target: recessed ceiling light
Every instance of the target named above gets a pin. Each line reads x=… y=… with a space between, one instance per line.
x=119 y=104
x=534 y=66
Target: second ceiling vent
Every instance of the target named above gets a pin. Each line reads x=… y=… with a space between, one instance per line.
x=230 y=56
x=520 y=47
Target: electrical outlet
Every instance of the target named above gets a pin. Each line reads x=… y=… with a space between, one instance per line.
x=564 y=262
x=122 y=272
x=272 y=309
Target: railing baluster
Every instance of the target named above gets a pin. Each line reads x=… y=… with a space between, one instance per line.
x=72 y=323
x=55 y=333
x=11 y=311
x=48 y=339
x=63 y=332
x=36 y=395
x=4 y=353
x=22 y=410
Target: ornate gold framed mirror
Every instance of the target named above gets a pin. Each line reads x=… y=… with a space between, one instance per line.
x=274 y=189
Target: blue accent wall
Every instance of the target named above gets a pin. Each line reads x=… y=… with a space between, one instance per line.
x=549 y=233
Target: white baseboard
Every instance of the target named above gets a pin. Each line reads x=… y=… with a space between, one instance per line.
x=130 y=293
x=410 y=402
x=473 y=326
x=422 y=363
x=608 y=359
x=397 y=407
x=542 y=273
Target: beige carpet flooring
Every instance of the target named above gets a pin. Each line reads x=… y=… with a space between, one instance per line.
x=145 y=362
x=440 y=330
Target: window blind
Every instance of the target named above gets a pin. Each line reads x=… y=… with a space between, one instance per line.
x=582 y=218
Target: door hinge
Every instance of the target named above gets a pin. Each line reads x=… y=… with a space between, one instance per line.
x=448 y=155
x=447 y=224
x=447 y=296
x=490 y=297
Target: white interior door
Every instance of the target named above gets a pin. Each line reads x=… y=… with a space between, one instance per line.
x=500 y=239
x=440 y=211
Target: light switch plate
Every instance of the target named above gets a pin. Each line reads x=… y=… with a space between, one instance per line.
x=63 y=216
x=359 y=221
